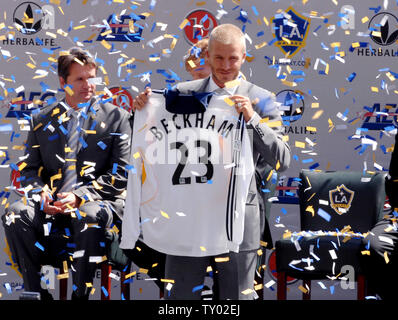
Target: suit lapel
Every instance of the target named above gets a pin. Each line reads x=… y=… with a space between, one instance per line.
x=56 y=112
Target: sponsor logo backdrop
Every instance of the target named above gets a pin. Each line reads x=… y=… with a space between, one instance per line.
x=331 y=63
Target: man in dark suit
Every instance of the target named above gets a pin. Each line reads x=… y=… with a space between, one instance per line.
x=380 y=265
x=74 y=176
x=226 y=54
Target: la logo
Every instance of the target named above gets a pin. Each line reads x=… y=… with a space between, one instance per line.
x=341 y=199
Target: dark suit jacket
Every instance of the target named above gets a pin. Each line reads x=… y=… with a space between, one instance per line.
x=46 y=148
x=267 y=142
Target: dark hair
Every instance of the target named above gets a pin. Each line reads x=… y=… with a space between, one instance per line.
x=73 y=55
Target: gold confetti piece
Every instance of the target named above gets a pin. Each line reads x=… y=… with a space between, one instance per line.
x=259 y=46
x=191 y=64
x=247 y=291
x=164 y=214
x=302 y=289
x=183 y=24
x=63 y=276
x=258 y=287
x=136 y=155
x=31 y=65
x=289 y=83
x=131 y=274
x=22 y=166
x=50 y=34
x=310 y=209
x=317 y=115
x=315 y=105
x=271 y=124
x=374 y=89
x=299 y=144
x=221 y=259
x=89 y=285
x=365 y=19
x=167 y=280
x=105 y=33
x=203 y=248
x=229 y=102
x=311 y=129
x=278 y=165
x=386 y=257
x=96 y=185
x=69 y=91
x=263 y=243
x=142 y=270
x=106 y=45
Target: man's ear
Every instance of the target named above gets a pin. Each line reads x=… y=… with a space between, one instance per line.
x=244 y=58
x=62 y=82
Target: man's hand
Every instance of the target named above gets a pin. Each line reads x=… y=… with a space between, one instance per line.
x=244 y=105
x=45 y=201
x=142 y=99
x=67 y=200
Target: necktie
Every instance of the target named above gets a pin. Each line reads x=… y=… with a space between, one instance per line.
x=70 y=176
x=220 y=92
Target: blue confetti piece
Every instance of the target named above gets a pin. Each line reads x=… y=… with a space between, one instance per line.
x=64 y=131
x=197 y=288
x=38 y=245
x=101 y=145
x=8 y=287
x=323 y=214
x=114 y=168
x=83 y=143
x=104 y=291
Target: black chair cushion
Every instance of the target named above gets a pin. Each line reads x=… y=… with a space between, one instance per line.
x=318 y=256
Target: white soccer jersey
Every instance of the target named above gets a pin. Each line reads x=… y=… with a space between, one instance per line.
x=186 y=195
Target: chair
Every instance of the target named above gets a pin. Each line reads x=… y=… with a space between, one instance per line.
x=336 y=209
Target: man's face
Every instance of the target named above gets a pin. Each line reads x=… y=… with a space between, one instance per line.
x=78 y=79
x=225 y=61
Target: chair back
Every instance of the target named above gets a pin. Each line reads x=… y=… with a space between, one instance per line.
x=335 y=199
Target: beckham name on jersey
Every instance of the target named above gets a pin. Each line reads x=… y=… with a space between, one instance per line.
x=180 y=121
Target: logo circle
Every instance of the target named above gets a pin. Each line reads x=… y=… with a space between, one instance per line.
x=271 y=267
x=292 y=103
x=122 y=98
x=28 y=15
x=385 y=25
x=201 y=22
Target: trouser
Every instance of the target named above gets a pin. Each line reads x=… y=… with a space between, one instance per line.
x=147 y=258
x=380 y=267
x=83 y=236
x=188 y=275
x=233 y=279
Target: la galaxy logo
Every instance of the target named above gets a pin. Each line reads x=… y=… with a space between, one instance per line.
x=122 y=29
x=291 y=30
x=341 y=199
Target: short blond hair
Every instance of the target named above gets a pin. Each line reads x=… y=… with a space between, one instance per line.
x=227 y=33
